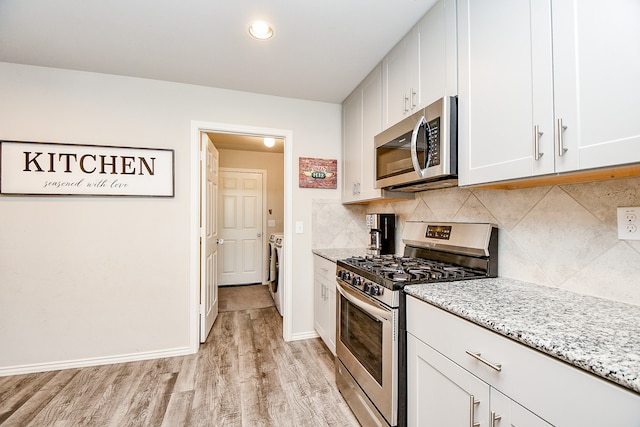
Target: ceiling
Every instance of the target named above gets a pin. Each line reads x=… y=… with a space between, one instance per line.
x=321 y=49
x=230 y=141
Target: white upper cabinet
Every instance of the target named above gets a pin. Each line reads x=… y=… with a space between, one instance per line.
x=361 y=121
x=539 y=95
x=438 y=52
x=422 y=67
x=401 y=83
x=596 y=60
x=352 y=146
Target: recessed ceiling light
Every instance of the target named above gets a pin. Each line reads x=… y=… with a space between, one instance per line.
x=269 y=142
x=261 y=30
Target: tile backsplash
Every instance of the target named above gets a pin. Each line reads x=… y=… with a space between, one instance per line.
x=563 y=236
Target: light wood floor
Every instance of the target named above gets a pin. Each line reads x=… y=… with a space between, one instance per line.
x=244 y=375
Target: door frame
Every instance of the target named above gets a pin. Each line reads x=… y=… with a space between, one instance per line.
x=263 y=217
x=194 y=247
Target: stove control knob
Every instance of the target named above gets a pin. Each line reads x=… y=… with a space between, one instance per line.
x=375 y=291
x=366 y=286
x=356 y=281
x=346 y=276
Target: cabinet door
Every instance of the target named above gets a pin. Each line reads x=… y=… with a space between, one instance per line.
x=401 y=81
x=441 y=393
x=505 y=89
x=371 y=126
x=396 y=103
x=412 y=70
x=596 y=57
x=507 y=413
x=438 y=53
x=351 y=146
x=319 y=306
x=331 y=313
x=324 y=303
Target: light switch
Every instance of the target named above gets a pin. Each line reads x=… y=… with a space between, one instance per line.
x=299 y=227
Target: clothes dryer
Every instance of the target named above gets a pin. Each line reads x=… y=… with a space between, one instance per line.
x=279 y=288
x=276 y=269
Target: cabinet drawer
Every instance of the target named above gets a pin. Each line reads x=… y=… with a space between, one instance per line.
x=561 y=393
x=324 y=268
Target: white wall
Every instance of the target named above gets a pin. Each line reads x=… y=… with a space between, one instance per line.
x=85 y=280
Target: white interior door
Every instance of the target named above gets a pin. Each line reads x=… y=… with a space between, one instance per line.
x=240 y=211
x=208 y=237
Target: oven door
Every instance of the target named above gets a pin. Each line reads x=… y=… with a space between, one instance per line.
x=367 y=345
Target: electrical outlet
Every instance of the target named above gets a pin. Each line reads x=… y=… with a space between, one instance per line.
x=299 y=227
x=628 y=223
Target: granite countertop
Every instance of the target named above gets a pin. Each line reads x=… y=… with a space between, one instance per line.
x=334 y=254
x=598 y=335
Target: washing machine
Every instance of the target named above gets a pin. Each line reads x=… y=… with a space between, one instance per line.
x=272 y=257
x=276 y=269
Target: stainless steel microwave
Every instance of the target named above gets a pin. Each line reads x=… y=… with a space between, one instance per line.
x=420 y=152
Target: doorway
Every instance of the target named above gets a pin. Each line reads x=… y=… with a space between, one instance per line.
x=276 y=218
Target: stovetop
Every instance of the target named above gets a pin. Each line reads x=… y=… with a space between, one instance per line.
x=434 y=252
x=394 y=272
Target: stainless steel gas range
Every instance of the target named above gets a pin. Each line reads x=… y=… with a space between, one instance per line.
x=370 y=336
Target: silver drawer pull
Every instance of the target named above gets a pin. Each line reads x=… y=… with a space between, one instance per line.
x=496 y=366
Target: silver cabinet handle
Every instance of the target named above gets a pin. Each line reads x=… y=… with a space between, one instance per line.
x=496 y=366
x=472 y=411
x=405 y=101
x=493 y=419
x=536 y=142
x=561 y=129
x=413 y=98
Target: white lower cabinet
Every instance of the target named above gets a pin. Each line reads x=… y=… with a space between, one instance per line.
x=506 y=412
x=324 y=300
x=441 y=393
x=510 y=384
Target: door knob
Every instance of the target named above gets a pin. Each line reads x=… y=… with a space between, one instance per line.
x=259 y=234
x=220 y=241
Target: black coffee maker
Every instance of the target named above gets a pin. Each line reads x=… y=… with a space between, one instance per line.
x=382 y=231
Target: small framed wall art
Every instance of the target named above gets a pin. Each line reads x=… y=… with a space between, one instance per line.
x=318 y=173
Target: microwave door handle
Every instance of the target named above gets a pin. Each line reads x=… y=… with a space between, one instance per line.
x=378 y=313
x=414 y=147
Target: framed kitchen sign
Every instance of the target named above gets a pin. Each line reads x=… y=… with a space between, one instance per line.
x=318 y=173
x=47 y=169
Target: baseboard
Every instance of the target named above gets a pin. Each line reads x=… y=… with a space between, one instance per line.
x=97 y=361
x=304 y=336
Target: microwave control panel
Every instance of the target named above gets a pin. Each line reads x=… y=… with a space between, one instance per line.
x=428 y=143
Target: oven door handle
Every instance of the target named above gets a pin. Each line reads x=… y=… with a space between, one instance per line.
x=366 y=305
